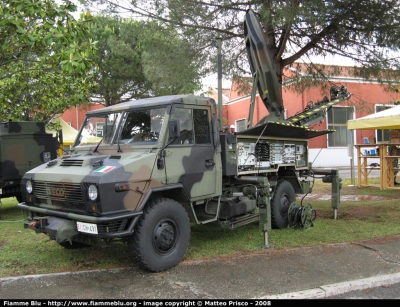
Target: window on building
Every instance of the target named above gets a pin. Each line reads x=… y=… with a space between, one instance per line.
x=382 y=135
x=337 y=120
x=99 y=129
x=241 y=125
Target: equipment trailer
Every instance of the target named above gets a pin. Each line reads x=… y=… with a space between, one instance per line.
x=156 y=165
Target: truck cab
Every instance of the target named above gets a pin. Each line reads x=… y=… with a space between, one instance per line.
x=163 y=149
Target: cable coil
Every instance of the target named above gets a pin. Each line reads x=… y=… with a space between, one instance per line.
x=301 y=216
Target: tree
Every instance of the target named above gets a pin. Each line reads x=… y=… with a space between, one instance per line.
x=365 y=31
x=45 y=64
x=137 y=59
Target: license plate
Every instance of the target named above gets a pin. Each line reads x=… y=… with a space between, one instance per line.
x=86 y=227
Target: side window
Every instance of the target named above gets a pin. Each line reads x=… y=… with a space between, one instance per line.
x=337 y=120
x=194 y=126
x=185 y=117
x=201 y=126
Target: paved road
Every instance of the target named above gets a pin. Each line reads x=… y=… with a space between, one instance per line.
x=312 y=272
x=387 y=292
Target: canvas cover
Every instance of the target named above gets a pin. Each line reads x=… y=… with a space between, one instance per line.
x=387 y=119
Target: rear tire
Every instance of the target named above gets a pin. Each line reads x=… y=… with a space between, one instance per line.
x=283 y=197
x=161 y=236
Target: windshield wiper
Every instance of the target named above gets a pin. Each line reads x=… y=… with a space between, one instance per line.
x=98 y=144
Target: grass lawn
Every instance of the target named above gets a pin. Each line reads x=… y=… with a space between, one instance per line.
x=364 y=213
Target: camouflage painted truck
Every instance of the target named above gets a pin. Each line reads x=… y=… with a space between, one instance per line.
x=23 y=146
x=154 y=166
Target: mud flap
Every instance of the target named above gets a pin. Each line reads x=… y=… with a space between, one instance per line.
x=60 y=230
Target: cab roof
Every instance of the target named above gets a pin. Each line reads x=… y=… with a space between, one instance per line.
x=156 y=101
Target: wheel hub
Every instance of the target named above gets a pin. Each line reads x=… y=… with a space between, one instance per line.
x=285 y=203
x=164 y=236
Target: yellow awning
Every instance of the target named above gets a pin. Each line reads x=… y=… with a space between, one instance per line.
x=387 y=120
x=69 y=133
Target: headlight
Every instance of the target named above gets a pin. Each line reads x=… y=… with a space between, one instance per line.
x=29 y=187
x=92 y=192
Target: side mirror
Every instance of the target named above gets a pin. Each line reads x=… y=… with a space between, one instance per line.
x=160 y=163
x=174 y=128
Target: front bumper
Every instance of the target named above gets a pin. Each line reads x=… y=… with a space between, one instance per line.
x=115 y=226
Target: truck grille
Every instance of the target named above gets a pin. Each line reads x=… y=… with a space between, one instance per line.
x=60 y=191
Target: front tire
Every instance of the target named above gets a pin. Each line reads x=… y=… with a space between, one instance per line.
x=161 y=236
x=283 y=197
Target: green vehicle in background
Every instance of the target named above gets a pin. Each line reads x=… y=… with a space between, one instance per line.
x=142 y=171
x=23 y=146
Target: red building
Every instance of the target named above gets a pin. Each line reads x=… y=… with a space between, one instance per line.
x=331 y=150
x=76 y=115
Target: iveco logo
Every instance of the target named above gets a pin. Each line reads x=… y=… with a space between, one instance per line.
x=59 y=192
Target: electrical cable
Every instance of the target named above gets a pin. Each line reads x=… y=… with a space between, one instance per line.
x=302 y=216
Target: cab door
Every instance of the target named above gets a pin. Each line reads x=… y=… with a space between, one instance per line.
x=190 y=158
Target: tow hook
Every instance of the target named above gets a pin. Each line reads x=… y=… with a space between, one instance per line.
x=34 y=224
x=37 y=224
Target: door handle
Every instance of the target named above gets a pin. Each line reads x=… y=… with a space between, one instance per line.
x=210 y=163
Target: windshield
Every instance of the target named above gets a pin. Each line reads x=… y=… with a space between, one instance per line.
x=142 y=126
x=138 y=127
x=99 y=128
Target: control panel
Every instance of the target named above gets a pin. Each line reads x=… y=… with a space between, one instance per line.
x=267 y=154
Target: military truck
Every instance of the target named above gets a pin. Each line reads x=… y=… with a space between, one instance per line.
x=23 y=146
x=151 y=167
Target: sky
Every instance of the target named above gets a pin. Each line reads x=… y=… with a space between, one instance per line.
x=212 y=80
